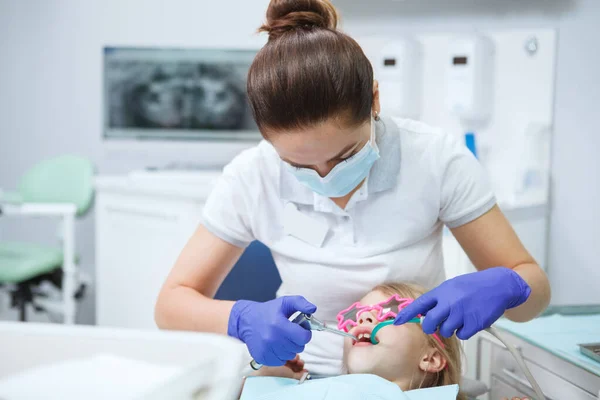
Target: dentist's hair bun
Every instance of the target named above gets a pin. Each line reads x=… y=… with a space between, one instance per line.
x=284 y=16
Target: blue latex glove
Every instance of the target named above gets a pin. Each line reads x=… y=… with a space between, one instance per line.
x=468 y=303
x=271 y=338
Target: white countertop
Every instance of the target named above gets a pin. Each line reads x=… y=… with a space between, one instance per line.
x=187 y=184
x=55 y=361
x=197 y=184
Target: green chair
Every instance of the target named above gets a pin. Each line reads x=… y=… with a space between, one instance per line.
x=59 y=187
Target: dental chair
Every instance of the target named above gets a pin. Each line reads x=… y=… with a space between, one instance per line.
x=60 y=187
x=473 y=388
x=254 y=277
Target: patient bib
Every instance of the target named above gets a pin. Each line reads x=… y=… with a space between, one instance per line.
x=344 y=387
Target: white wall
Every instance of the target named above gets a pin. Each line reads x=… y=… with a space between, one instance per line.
x=50 y=94
x=51 y=82
x=575 y=217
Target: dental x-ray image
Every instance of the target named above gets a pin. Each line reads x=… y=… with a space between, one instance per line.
x=177 y=94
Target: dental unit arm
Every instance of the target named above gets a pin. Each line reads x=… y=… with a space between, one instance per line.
x=308 y=321
x=519 y=359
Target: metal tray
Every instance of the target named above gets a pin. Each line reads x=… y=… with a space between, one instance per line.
x=591 y=350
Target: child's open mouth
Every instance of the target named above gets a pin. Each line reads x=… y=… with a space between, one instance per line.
x=364 y=339
x=363 y=334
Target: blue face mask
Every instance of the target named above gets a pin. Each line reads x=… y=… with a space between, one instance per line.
x=345 y=176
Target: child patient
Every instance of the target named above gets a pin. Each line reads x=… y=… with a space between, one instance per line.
x=404 y=355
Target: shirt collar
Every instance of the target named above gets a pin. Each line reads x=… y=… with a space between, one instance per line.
x=383 y=174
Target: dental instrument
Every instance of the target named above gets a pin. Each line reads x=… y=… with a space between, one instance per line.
x=305 y=376
x=318 y=325
x=520 y=361
x=518 y=358
x=383 y=324
x=308 y=321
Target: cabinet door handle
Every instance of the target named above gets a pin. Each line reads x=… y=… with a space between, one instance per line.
x=521 y=380
x=142 y=213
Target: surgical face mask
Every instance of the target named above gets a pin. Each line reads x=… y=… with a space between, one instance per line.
x=345 y=176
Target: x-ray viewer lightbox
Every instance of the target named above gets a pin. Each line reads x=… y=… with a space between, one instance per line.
x=177 y=94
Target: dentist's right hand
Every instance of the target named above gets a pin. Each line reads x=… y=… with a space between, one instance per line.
x=271 y=338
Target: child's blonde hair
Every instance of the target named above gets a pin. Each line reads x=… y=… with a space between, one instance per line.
x=451 y=351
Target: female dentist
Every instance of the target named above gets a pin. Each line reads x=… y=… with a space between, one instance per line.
x=346 y=199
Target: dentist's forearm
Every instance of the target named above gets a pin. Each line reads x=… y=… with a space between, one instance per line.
x=540 y=293
x=183 y=308
x=186 y=299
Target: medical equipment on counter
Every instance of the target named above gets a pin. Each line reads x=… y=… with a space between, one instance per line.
x=309 y=322
x=470 y=74
x=399 y=72
x=591 y=350
x=520 y=361
x=101 y=363
x=549 y=346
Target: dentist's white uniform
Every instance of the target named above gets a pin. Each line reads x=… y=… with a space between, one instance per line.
x=391 y=230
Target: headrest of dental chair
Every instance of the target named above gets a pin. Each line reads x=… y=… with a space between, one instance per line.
x=472 y=387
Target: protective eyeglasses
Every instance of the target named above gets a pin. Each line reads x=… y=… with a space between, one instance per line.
x=384 y=312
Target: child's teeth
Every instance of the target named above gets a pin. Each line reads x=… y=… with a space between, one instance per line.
x=363 y=336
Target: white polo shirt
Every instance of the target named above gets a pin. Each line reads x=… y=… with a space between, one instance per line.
x=391 y=230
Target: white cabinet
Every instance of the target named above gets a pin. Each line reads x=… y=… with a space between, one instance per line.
x=142 y=223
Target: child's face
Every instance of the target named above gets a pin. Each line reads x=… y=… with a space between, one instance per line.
x=397 y=356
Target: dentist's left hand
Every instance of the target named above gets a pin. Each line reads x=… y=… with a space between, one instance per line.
x=468 y=303
x=271 y=338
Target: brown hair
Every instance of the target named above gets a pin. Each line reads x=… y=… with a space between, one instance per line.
x=451 y=351
x=308 y=72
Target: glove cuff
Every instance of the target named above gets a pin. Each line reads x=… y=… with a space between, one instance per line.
x=234 y=317
x=521 y=290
